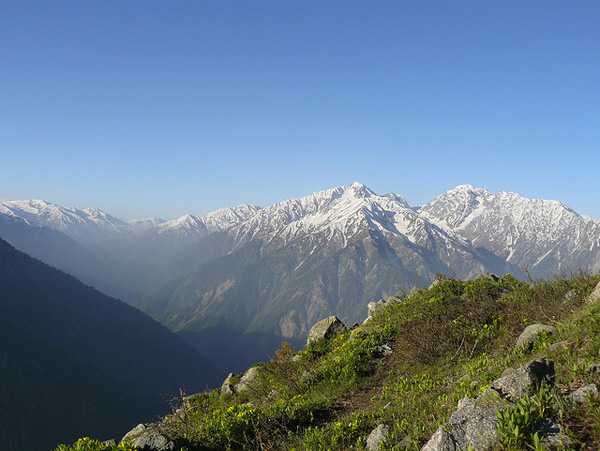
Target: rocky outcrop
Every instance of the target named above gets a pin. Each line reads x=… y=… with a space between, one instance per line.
x=474 y=422
x=228 y=388
x=579 y=396
x=530 y=335
x=595 y=296
x=326 y=328
x=377 y=436
x=248 y=379
x=146 y=438
x=525 y=380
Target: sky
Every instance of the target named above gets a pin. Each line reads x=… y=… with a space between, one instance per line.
x=163 y=108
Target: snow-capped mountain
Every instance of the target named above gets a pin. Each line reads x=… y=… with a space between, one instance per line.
x=275 y=271
x=293 y=263
x=200 y=226
x=544 y=236
x=89 y=226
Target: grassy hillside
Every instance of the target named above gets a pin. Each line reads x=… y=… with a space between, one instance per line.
x=449 y=341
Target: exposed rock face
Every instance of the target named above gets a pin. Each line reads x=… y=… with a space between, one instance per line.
x=474 y=422
x=526 y=379
x=247 y=379
x=378 y=435
x=529 y=336
x=595 y=296
x=329 y=327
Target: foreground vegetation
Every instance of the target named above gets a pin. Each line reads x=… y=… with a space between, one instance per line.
x=449 y=341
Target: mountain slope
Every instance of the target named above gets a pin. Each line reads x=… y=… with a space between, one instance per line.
x=544 y=236
x=101 y=339
x=301 y=260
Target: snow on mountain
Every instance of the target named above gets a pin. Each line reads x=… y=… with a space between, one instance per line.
x=545 y=236
x=146 y=224
x=340 y=214
x=88 y=226
x=200 y=226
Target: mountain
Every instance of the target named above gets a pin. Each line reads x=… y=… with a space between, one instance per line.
x=75 y=349
x=167 y=239
x=293 y=263
x=273 y=271
x=88 y=226
x=544 y=236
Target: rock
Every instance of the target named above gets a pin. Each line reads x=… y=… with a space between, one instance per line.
x=383 y=351
x=473 y=423
x=557 y=346
x=595 y=296
x=248 y=379
x=146 y=438
x=579 y=396
x=377 y=435
x=526 y=379
x=227 y=387
x=529 y=336
x=593 y=368
x=413 y=292
x=406 y=442
x=326 y=328
x=489 y=276
x=375 y=308
x=552 y=436
x=134 y=433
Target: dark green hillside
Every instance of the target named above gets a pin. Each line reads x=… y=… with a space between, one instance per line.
x=47 y=397
x=106 y=350
x=407 y=369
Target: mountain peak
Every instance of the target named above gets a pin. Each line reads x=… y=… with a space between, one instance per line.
x=360 y=190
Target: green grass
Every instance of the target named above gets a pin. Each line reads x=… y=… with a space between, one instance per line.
x=450 y=341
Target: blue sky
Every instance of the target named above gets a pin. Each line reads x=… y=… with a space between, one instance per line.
x=147 y=108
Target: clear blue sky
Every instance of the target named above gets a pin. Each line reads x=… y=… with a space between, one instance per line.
x=147 y=108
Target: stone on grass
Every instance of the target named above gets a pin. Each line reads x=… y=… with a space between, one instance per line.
x=326 y=328
x=146 y=438
x=579 y=396
x=553 y=437
x=530 y=335
x=227 y=387
x=248 y=379
x=595 y=296
x=473 y=423
x=525 y=380
x=377 y=435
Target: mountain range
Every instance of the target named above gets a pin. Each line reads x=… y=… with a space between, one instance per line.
x=237 y=281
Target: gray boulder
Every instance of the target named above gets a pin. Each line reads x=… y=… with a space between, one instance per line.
x=473 y=423
x=579 y=396
x=593 y=368
x=526 y=379
x=377 y=436
x=248 y=379
x=146 y=438
x=595 y=296
x=530 y=335
x=553 y=437
x=489 y=276
x=326 y=328
x=227 y=387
